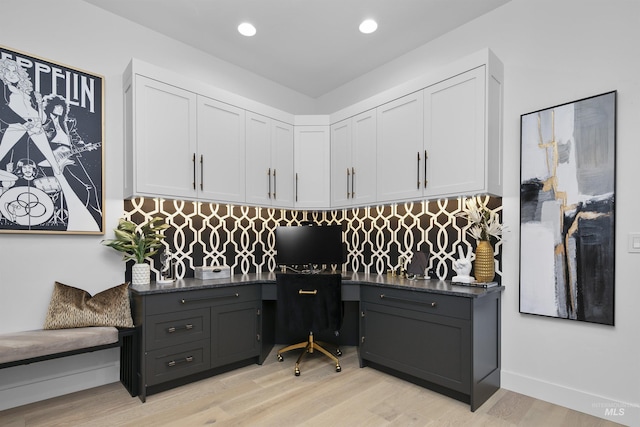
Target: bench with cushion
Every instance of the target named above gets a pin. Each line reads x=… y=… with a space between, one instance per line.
x=22 y=348
x=79 y=323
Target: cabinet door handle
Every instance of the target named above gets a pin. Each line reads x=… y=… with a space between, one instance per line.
x=348 y=179
x=186 y=327
x=353 y=182
x=201 y=172
x=184 y=301
x=173 y=363
x=425 y=168
x=296 y=186
x=194 y=171
x=418 y=170
x=275 y=184
x=302 y=292
x=430 y=304
x=269 y=179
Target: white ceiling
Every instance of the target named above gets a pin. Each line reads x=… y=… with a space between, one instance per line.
x=311 y=46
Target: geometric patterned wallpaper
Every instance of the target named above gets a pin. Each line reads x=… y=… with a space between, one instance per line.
x=377 y=237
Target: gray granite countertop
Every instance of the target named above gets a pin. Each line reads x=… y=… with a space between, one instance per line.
x=386 y=281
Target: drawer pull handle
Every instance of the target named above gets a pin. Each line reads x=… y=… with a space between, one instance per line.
x=186 y=327
x=430 y=304
x=184 y=301
x=173 y=363
x=313 y=292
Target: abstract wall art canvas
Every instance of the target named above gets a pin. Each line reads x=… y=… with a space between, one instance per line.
x=567 y=210
x=51 y=147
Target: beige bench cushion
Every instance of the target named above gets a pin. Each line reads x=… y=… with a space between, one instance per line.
x=28 y=344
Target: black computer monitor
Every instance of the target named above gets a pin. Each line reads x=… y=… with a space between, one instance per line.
x=309 y=245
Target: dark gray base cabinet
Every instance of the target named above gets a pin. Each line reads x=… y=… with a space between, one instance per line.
x=188 y=333
x=449 y=342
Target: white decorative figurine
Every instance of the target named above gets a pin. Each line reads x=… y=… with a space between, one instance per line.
x=462 y=266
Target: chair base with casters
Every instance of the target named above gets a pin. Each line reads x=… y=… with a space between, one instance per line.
x=309 y=346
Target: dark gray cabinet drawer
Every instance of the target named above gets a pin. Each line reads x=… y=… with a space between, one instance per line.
x=187 y=300
x=176 y=362
x=437 y=304
x=163 y=330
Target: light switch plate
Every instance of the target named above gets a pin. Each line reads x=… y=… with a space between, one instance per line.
x=634 y=242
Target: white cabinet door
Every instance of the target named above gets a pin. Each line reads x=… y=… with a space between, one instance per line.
x=221 y=151
x=400 y=150
x=341 y=164
x=454 y=129
x=258 y=159
x=282 y=165
x=312 y=165
x=364 y=155
x=269 y=161
x=164 y=140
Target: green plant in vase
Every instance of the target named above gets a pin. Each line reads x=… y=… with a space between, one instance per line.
x=138 y=243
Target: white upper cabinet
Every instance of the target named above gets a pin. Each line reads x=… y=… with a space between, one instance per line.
x=269 y=162
x=312 y=167
x=353 y=160
x=454 y=130
x=400 y=149
x=220 y=156
x=436 y=136
x=161 y=140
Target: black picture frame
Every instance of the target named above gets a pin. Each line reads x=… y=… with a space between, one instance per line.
x=567 y=210
x=51 y=146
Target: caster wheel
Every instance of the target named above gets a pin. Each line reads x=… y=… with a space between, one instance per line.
x=280 y=358
x=297 y=372
x=338 y=368
x=338 y=352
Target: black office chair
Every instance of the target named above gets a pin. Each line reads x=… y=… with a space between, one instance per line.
x=309 y=303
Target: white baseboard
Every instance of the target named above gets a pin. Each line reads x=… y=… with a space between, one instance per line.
x=21 y=385
x=626 y=413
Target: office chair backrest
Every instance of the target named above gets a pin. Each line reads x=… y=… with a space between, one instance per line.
x=309 y=302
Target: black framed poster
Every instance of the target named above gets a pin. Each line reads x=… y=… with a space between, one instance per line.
x=51 y=147
x=567 y=210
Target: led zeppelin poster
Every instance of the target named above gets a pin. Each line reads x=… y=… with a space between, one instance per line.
x=51 y=147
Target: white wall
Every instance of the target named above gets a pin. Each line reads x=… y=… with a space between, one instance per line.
x=80 y=35
x=553 y=52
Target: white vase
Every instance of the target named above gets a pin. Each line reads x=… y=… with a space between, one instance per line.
x=140 y=274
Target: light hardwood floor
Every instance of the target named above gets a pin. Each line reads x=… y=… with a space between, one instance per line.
x=270 y=395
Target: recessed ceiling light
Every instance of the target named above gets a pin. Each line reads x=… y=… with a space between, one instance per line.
x=247 y=29
x=368 y=26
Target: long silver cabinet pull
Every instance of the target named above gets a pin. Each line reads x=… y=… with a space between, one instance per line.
x=430 y=304
x=187 y=359
x=275 y=184
x=418 y=170
x=348 y=179
x=296 y=186
x=194 y=171
x=186 y=327
x=353 y=184
x=201 y=172
x=313 y=292
x=184 y=301
x=425 y=168
x=269 y=179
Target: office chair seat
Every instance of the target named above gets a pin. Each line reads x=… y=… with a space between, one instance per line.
x=311 y=303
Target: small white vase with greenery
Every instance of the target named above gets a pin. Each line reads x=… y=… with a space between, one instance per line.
x=138 y=243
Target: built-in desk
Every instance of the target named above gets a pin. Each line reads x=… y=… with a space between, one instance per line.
x=442 y=336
